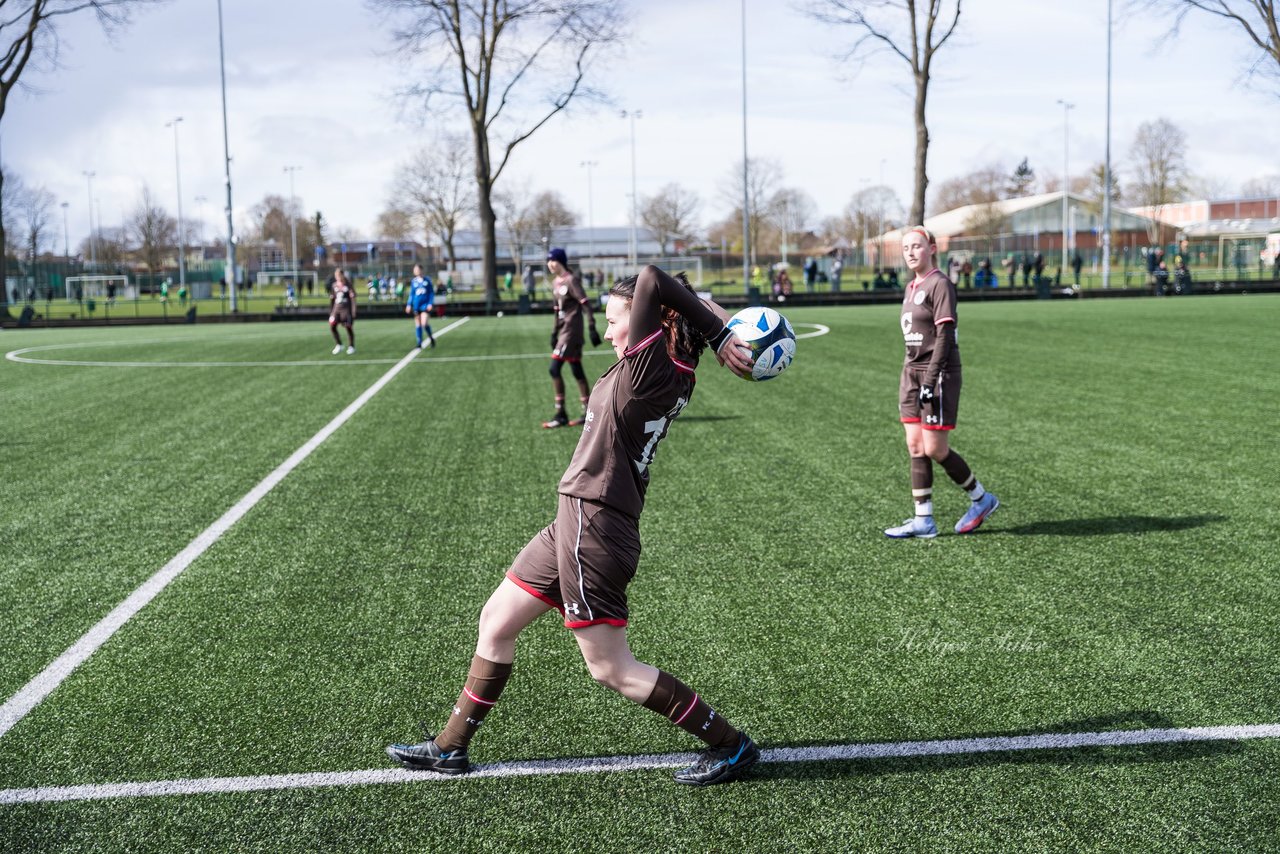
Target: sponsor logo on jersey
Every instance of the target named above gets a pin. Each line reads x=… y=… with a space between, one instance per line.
x=918 y=299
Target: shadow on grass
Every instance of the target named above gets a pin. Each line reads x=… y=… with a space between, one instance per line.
x=1108 y=525
x=1119 y=754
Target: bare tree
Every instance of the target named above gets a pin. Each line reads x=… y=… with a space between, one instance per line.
x=440 y=183
x=549 y=212
x=792 y=212
x=1255 y=18
x=981 y=186
x=1094 y=194
x=1158 y=157
x=14 y=190
x=912 y=30
x=764 y=176
x=870 y=213
x=395 y=223
x=271 y=219
x=29 y=39
x=1263 y=186
x=670 y=214
x=511 y=64
x=36 y=209
x=517 y=220
x=153 y=230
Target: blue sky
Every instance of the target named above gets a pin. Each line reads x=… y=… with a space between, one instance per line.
x=312 y=84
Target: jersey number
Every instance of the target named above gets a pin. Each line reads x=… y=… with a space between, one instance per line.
x=655 y=430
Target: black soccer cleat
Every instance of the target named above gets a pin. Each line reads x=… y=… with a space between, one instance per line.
x=720 y=764
x=427 y=756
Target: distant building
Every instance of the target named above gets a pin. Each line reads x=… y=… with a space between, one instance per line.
x=1022 y=226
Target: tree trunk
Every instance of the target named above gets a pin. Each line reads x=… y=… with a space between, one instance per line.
x=488 y=220
x=4 y=257
x=922 y=150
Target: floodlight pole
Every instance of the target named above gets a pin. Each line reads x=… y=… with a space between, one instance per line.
x=177 y=168
x=746 y=195
x=1066 y=179
x=591 y=235
x=226 y=149
x=1106 y=172
x=293 y=220
x=66 y=235
x=93 y=246
x=635 y=203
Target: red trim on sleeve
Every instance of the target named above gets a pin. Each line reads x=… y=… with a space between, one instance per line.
x=681 y=366
x=607 y=621
x=942 y=320
x=654 y=336
x=534 y=593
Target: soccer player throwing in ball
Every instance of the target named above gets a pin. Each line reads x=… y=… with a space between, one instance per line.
x=342 y=311
x=422 y=298
x=929 y=391
x=581 y=564
x=566 y=337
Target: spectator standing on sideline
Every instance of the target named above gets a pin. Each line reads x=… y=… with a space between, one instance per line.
x=1076 y=263
x=985 y=277
x=530 y=280
x=837 y=267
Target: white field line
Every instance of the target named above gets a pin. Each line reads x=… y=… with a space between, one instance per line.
x=31 y=694
x=20 y=356
x=781 y=755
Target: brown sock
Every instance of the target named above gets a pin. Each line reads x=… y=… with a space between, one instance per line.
x=484 y=685
x=958 y=470
x=922 y=485
x=677 y=702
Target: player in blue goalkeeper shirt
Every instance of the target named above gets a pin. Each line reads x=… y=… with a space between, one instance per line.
x=422 y=297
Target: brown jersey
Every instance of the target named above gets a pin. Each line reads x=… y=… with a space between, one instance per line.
x=570 y=297
x=633 y=404
x=926 y=304
x=342 y=300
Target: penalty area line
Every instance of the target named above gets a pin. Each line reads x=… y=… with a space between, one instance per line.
x=33 y=693
x=551 y=767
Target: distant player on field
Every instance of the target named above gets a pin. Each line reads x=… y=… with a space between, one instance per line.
x=929 y=390
x=422 y=297
x=566 y=337
x=342 y=311
x=581 y=564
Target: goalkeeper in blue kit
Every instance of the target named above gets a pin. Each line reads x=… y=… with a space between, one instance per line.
x=422 y=298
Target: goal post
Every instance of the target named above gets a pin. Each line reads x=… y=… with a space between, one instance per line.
x=100 y=287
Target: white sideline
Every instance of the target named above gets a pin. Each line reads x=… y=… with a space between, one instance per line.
x=31 y=694
x=838 y=752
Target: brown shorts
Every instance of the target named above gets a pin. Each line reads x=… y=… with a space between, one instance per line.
x=946 y=407
x=340 y=316
x=568 y=346
x=581 y=563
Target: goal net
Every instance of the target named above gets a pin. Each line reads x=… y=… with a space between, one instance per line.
x=100 y=287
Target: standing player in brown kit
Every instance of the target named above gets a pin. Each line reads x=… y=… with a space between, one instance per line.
x=342 y=311
x=566 y=336
x=929 y=391
x=581 y=564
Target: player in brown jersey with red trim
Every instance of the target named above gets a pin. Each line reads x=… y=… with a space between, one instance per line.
x=566 y=336
x=929 y=391
x=342 y=311
x=581 y=564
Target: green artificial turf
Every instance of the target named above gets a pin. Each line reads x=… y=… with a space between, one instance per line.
x=1126 y=582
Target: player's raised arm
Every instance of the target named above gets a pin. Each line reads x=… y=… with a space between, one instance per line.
x=656 y=289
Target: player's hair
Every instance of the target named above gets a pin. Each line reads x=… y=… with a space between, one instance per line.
x=683 y=341
x=920 y=229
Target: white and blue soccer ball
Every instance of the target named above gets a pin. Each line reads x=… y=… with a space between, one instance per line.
x=770 y=337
